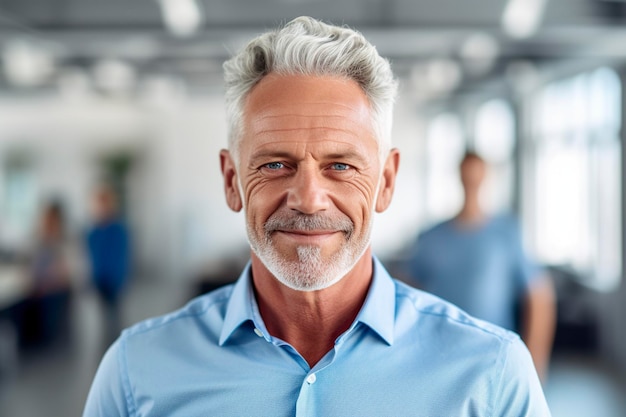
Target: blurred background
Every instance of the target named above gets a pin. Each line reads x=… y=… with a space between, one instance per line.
x=129 y=93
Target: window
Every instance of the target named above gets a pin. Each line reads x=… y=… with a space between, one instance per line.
x=494 y=140
x=577 y=184
x=445 y=148
x=19 y=201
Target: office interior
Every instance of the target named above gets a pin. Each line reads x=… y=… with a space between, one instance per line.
x=133 y=92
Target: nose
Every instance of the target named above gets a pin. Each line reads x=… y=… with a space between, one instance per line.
x=308 y=191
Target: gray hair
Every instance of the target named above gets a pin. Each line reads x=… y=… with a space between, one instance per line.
x=306 y=46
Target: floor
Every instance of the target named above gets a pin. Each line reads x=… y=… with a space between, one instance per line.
x=585 y=387
x=56 y=382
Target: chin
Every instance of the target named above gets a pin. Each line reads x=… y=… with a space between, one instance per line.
x=311 y=271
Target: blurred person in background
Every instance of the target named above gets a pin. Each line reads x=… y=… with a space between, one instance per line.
x=44 y=315
x=477 y=262
x=314 y=325
x=108 y=250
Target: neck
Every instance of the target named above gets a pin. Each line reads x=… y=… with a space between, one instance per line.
x=311 y=321
x=471 y=212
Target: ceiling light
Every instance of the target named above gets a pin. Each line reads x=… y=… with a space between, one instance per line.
x=479 y=52
x=114 y=76
x=181 y=17
x=521 y=18
x=27 y=64
x=435 y=78
x=443 y=75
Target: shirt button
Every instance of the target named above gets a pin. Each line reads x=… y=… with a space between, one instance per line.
x=311 y=379
x=258 y=332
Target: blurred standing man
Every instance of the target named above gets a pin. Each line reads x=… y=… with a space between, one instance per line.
x=108 y=249
x=314 y=326
x=478 y=263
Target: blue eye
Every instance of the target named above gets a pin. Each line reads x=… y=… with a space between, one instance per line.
x=338 y=166
x=274 y=165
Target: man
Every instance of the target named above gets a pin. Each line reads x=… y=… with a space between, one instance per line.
x=477 y=262
x=315 y=325
x=108 y=249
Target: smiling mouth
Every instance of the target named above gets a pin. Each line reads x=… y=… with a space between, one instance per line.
x=307 y=232
x=308 y=236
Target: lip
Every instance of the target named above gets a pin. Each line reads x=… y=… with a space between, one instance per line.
x=308 y=236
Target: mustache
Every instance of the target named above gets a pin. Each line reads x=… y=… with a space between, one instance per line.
x=307 y=222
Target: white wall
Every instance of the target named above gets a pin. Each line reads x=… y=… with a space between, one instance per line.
x=180 y=202
x=401 y=222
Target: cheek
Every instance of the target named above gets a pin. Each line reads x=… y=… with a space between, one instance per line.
x=366 y=190
x=262 y=199
x=357 y=201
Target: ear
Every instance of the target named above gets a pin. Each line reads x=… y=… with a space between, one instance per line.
x=388 y=181
x=231 y=188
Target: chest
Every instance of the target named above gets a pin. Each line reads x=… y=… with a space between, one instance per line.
x=481 y=252
x=266 y=380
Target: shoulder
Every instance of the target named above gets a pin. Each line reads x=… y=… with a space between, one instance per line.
x=493 y=361
x=435 y=230
x=444 y=319
x=506 y=222
x=186 y=318
x=137 y=360
x=196 y=306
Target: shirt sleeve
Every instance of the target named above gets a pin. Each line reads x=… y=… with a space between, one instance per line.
x=106 y=397
x=518 y=391
x=526 y=271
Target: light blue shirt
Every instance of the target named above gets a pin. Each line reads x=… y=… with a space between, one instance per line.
x=406 y=354
x=481 y=268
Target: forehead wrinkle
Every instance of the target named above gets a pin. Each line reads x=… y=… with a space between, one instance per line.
x=333 y=140
x=262 y=116
x=297 y=89
x=296 y=129
x=330 y=110
x=351 y=106
x=292 y=123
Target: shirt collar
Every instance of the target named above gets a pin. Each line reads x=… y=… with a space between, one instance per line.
x=378 y=311
x=241 y=305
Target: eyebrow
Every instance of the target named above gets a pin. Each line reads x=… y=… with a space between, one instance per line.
x=270 y=154
x=350 y=155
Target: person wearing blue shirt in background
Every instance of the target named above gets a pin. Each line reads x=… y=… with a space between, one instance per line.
x=108 y=250
x=315 y=326
x=477 y=262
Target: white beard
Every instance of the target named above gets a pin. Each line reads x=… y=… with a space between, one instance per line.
x=311 y=272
